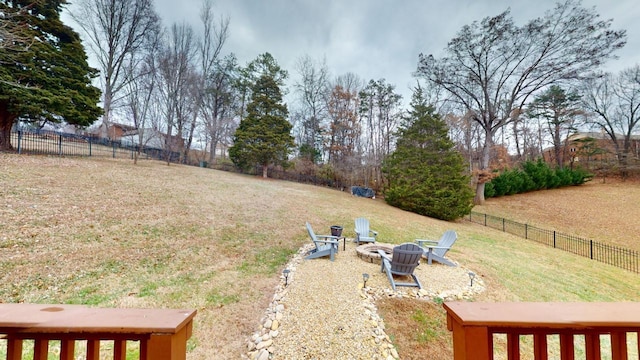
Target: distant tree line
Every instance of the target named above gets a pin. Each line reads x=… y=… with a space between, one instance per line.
x=504 y=92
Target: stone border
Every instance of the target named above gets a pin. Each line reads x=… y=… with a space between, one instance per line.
x=369 y=252
x=261 y=344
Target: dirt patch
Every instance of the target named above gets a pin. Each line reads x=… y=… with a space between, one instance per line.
x=419 y=328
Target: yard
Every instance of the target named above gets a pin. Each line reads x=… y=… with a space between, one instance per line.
x=110 y=233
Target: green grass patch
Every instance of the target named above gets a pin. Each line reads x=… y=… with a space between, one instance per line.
x=89 y=295
x=267 y=262
x=429 y=327
x=216 y=298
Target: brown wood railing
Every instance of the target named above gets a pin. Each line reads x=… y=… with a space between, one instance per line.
x=162 y=333
x=475 y=324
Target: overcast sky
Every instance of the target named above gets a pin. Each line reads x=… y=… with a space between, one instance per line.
x=374 y=38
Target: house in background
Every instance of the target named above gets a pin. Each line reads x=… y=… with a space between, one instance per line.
x=151 y=138
x=586 y=148
x=112 y=131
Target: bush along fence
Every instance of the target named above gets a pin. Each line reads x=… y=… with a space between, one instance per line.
x=616 y=256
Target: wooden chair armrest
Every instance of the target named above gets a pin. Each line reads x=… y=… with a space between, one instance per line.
x=375 y=233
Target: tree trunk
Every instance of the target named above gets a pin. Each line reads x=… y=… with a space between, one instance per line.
x=264 y=171
x=479 y=198
x=484 y=166
x=6 y=122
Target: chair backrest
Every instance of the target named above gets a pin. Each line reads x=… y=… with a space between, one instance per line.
x=405 y=258
x=312 y=234
x=362 y=226
x=446 y=242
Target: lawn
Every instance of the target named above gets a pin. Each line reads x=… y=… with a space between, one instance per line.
x=110 y=233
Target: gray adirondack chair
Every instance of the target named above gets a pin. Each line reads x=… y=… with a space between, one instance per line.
x=436 y=250
x=326 y=247
x=403 y=262
x=363 y=232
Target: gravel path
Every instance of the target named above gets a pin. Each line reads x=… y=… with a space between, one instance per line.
x=325 y=313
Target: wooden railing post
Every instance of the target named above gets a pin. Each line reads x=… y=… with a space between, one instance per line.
x=592 y=346
x=40 y=349
x=474 y=324
x=161 y=333
x=66 y=349
x=470 y=342
x=540 y=346
x=14 y=349
x=93 y=350
x=619 y=345
x=566 y=347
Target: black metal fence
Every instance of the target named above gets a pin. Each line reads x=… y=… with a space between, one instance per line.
x=613 y=255
x=44 y=142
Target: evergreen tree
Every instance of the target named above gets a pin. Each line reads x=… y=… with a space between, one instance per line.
x=559 y=109
x=48 y=79
x=425 y=173
x=264 y=135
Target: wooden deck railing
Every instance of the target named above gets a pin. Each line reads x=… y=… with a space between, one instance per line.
x=162 y=333
x=475 y=324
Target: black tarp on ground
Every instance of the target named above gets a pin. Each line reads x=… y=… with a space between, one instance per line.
x=363 y=192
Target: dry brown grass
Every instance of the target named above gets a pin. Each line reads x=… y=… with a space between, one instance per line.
x=110 y=233
x=604 y=212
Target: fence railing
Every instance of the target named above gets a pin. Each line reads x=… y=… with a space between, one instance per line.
x=609 y=254
x=69 y=332
x=33 y=141
x=44 y=142
x=542 y=331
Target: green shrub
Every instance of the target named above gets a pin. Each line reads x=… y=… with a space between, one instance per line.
x=533 y=176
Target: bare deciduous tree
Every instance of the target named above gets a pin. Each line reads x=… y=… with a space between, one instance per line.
x=614 y=102
x=312 y=90
x=176 y=75
x=218 y=75
x=140 y=94
x=116 y=29
x=381 y=113
x=493 y=67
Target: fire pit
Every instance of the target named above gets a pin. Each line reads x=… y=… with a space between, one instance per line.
x=369 y=252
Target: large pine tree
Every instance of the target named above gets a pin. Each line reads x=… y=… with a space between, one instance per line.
x=425 y=174
x=264 y=136
x=46 y=77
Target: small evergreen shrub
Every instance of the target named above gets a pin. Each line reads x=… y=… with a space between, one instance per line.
x=533 y=176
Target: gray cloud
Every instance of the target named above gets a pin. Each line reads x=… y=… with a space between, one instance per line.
x=374 y=38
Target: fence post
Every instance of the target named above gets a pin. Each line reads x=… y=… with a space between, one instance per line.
x=59 y=145
x=89 y=146
x=503 y=228
x=113 y=144
x=19 y=141
x=554 y=239
x=526 y=231
x=485 y=219
x=591 y=249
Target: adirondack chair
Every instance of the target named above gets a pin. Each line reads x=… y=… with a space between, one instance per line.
x=436 y=250
x=363 y=233
x=404 y=260
x=326 y=247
